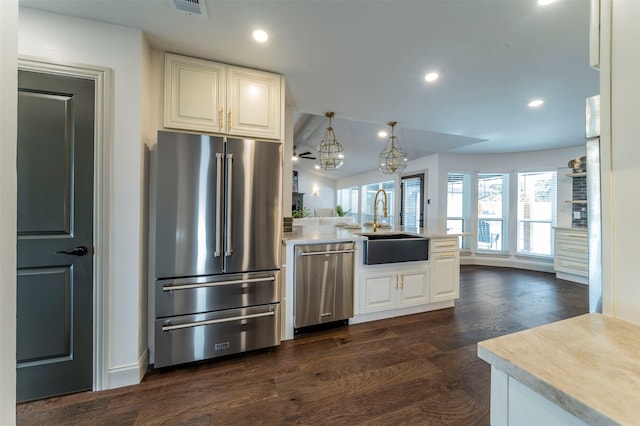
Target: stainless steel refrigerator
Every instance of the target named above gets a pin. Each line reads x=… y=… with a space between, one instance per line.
x=216 y=204
x=594 y=218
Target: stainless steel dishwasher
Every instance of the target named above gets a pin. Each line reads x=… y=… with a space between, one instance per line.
x=323 y=283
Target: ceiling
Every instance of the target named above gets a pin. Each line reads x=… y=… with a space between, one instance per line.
x=366 y=61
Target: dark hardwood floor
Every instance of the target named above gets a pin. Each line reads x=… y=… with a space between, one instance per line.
x=417 y=369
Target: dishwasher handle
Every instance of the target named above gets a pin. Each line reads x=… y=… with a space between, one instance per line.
x=317 y=253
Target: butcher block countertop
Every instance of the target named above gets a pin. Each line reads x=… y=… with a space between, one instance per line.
x=589 y=365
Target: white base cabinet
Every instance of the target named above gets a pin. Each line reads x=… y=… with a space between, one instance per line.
x=571 y=256
x=445 y=269
x=513 y=403
x=393 y=288
x=207 y=96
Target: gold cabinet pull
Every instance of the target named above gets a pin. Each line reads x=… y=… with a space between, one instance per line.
x=401 y=281
x=221 y=118
x=230 y=121
x=396 y=281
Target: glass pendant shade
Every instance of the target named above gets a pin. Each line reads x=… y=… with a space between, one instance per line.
x=330 y=152
x=393 y=159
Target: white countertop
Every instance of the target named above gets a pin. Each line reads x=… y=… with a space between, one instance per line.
x=331 y=233
x=588 y=365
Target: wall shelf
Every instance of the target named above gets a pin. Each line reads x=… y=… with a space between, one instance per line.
x=579 y=197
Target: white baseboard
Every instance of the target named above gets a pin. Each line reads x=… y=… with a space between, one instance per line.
x=570 y=277
x=508 y=262
x=127 y=375
x=374 y=316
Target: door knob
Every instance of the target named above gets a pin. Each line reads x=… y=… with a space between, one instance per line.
x=77 y=251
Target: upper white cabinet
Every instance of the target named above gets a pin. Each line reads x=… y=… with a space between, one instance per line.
x=211 y=97
x=253 y=103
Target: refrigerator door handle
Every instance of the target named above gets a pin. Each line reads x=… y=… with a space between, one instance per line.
x=229 y=213
x=218 y=251
x=172 y=287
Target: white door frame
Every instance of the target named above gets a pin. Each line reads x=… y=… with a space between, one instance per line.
x=102 y=77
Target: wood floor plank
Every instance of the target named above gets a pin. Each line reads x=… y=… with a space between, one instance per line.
x=415 y=370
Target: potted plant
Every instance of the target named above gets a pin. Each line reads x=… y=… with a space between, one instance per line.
x=340 y=211
x=297 y=214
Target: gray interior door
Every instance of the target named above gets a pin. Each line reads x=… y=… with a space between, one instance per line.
x=55 y=215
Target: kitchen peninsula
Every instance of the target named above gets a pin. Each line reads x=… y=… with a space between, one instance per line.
x=383 y=290
x=582 y=370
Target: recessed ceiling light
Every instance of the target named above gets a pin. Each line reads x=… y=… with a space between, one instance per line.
x=382 y=134
x=432 y=76
x=545 y=2
x=317 y=166
x=260 y=36
x=536 y=103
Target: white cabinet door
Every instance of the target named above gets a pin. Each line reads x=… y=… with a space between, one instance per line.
x=394 y=288
x=379 y=291
x=413 y=288
x=445 y=276
x=194 y=94
x=253 y=103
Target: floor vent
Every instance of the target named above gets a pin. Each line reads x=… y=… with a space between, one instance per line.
x=191 y=7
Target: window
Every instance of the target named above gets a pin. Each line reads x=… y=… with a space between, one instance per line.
x=459 y=204
x=348 y=200
x=492 y=199
x=411 y=201
x=536 y=212
x=368 y=196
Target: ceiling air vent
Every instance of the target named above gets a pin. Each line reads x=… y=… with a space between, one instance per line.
x=192 y=7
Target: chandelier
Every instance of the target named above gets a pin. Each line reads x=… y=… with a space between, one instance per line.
x=392 y=158
x=330 y=152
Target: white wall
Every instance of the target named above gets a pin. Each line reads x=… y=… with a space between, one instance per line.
x=620 y=150
x=522 y=161
x=513 y=163
x=148 y=129
x=308 y=183
x=61 y=38
x=433 y=178
x=437 y=166
x=548 y=160
x=427 y=165
x=8 y=206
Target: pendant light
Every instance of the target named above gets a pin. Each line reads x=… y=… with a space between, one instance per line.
x=330 y=152
x=393 y=159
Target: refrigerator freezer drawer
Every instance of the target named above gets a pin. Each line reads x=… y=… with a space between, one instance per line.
x=213 y=334
x=182 y=296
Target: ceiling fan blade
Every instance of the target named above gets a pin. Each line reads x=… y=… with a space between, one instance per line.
x=306 y=157
x=305 y=153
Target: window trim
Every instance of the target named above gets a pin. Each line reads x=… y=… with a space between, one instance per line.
x=420 y=176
